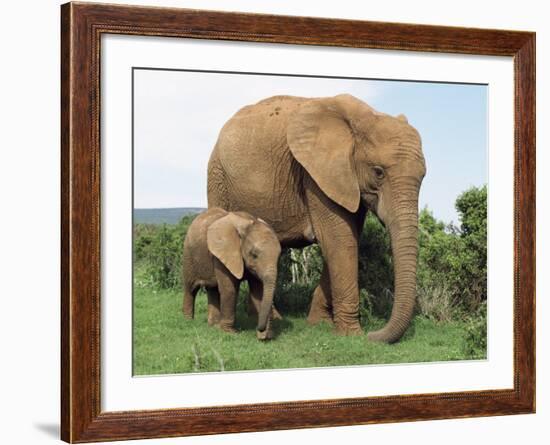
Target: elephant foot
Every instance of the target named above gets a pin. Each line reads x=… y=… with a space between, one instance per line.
x=348 y=329
x=229 y=329
x=267 y=333
x=188 y=315
x=320 y=309
x=318 y=315
x=213 y=321
x=264 y=335
x=275 y=314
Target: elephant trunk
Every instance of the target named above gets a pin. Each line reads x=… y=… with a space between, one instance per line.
x=404 y=241
x=267 y=302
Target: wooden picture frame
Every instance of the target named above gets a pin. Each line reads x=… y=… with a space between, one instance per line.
x=82 y=25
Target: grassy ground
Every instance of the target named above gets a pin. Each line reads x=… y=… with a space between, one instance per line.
x=165 y=342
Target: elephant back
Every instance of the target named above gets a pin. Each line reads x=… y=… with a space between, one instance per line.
x=251 y=164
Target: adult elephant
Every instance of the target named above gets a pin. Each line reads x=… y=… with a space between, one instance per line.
x=312 y=168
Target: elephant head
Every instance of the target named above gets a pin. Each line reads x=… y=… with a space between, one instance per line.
x=357 y=155
x=241 y=241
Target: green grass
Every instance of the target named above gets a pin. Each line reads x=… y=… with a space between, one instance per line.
x=166 y=343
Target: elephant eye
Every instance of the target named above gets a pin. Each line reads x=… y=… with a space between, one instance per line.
x=254 y=254
x=378 y=172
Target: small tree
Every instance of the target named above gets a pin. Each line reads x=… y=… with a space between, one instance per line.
x=472 y=207
x=452 y=260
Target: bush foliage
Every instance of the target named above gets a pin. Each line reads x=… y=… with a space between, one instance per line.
x=159 y=249
x=452 y=260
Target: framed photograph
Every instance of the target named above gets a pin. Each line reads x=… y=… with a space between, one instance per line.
x=274 y=222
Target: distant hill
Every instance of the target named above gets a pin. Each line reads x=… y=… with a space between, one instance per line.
x=163 y=216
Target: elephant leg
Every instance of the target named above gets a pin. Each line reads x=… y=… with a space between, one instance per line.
x=343 y=271
x=213 y=306
x=337 y=232
x=321 y=304
x=228 y=288
x=189 y=294
x=255 y=299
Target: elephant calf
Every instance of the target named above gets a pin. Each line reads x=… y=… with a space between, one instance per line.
x=220 y=250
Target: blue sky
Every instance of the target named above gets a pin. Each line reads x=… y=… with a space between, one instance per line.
x=178 y=114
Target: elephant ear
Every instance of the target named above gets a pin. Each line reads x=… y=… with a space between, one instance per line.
x=321 y=140
x=223 y=239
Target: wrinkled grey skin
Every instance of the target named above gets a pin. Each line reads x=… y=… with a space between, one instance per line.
x=312 y=168
x=221 y=249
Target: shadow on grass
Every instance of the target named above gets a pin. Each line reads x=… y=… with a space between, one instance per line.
x=280 y=326
x=245 y=322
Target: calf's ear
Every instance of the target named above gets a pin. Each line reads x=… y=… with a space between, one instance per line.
x=223 y=239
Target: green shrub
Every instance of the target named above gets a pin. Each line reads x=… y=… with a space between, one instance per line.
x=158 y=252
x=143 y=237
x=293 y=299
x=452 y=260
x=375 y=267
x=475 y=341
x=366 y=308
x=165 y=258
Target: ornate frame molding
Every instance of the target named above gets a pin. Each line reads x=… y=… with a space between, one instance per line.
x=82 y=25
